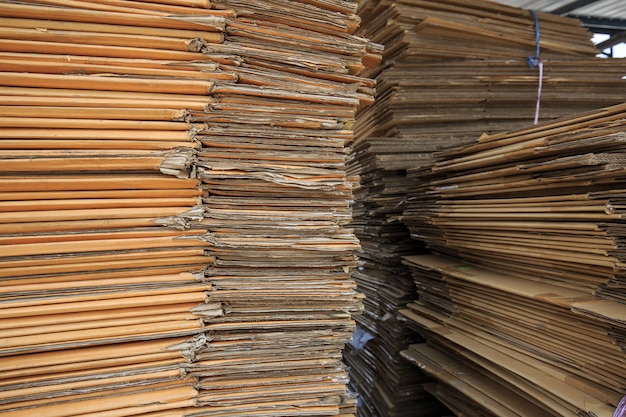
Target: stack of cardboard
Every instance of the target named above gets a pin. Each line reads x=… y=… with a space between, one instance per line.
x=540 y=211
x=513 y=346
x=443 y=103
x=461 y=29
x=451 y=71
x=101 y=271
x=388 y=384
x=173 y=206
x=544 y=201
x=277 y=200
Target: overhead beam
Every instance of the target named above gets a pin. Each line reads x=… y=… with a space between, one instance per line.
x=576 y=4
x=612 y=41
x=602 y=25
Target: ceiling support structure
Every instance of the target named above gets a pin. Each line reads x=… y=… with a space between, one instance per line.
x=576 y=4
x=615 y=39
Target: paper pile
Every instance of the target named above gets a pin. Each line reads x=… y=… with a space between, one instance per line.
x=277 y=201
x=451 y=71
x=503 y=345
x=174 y=201
x=98 y=279
x=542 y=201
x=543 y=314
x=388 y=384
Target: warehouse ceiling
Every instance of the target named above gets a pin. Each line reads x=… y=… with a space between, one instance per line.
x=600 y=16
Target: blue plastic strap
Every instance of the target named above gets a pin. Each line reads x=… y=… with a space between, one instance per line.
x=360 y=338
x=533 y=61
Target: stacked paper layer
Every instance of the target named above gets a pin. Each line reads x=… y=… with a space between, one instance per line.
x=173 y=206
x=539 y=210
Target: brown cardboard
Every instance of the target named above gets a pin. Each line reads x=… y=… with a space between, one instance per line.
x=174 y=207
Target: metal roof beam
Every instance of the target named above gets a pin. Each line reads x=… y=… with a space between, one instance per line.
x=612 y=41
x=576 y=4
x=601 y=25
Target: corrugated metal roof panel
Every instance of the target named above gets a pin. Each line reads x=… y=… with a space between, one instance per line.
x=606 y=9
x=600 y=9
x=543 y=5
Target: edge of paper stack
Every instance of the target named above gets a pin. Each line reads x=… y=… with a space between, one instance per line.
x=173 y=206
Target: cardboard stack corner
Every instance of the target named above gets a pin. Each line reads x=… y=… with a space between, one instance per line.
x=451 y=71
x=173 y=207
x=532 y=306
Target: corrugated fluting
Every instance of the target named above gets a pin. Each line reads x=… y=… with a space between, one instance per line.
x=452 y=71
x=173 y=206
x=529 y=317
